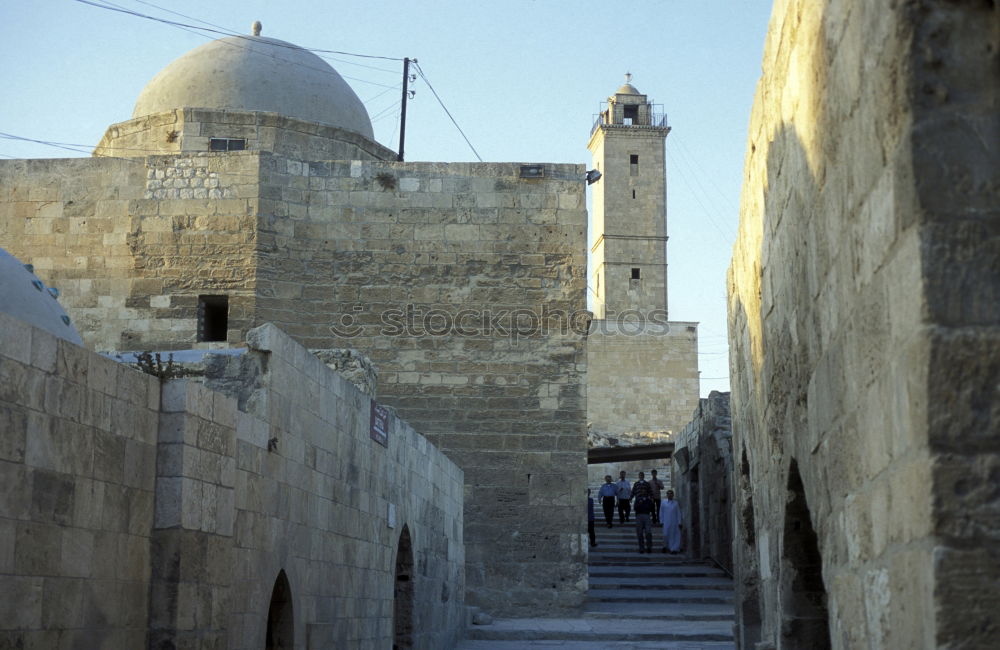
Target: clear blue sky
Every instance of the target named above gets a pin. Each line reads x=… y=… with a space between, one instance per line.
x=523 y=78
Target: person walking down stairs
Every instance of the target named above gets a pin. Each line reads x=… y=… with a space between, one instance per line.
x=642 y=492
x=670 y=515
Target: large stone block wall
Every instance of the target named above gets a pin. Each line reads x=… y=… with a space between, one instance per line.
x=77 y=472
x=641 y=381
x=423 y=266
x=280 y=474
x=131 y=243
x=128 y=518
x=864 y=301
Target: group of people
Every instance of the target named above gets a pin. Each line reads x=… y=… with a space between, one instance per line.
x=650 y=510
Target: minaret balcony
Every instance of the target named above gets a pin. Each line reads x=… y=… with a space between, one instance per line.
x=645 y=120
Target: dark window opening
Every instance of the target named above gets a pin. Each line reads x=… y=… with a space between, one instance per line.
x=633 y=194
x=631 y=113
x=227 y=144
x=635 y=273
x=280 y=616
x=633 y=163
x=213 y=318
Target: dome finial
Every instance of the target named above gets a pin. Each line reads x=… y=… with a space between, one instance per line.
x=256 y=27
x=628 y=77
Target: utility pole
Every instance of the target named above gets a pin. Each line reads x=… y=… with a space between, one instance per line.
x=402 y=117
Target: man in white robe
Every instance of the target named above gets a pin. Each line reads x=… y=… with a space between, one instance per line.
x=670 y=517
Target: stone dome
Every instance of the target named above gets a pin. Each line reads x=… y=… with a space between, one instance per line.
x=254 y=73
x=26 y=298
x=627 y=89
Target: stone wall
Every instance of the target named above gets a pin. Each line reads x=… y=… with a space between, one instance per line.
x=281 y=475
x=641 y=381
x=464 y=283
x=131 y=243
x=77 y=472
x=703 y=471
x=280 y=478
x=188 y=131
x=863 y=303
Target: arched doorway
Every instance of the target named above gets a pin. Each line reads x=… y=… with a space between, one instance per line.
x=805 y=621
x=402 y=613
x=280 y=619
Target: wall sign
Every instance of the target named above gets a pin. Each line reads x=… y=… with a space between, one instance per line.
x=380 y=424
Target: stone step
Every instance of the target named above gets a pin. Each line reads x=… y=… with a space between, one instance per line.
x=645 y=584
x=660 y=596
x=635 y=600
x=654 y=571
x=603 y=629
x=595 y=645
x=661 y=611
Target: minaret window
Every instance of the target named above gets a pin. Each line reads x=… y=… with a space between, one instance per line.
x=631 y=113
x=633 y=165
x=635 y=273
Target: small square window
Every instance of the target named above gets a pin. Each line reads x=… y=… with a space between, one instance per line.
x=213 y=318
x=635 y=273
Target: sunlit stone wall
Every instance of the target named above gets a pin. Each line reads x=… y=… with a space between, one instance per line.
x=864 y=302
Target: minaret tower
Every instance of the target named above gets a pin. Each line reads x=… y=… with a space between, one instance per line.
x=628 y=238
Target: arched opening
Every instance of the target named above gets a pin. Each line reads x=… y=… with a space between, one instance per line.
x=280 y=621
x=402 y=611
x=748 y=615
x=803 y=596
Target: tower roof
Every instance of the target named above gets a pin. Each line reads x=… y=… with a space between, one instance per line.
x=255 y=73
x=627 y=88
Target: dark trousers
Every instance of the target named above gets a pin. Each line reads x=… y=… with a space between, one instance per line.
x=608 y=503
x=644 y=530
x=624 y=510
x=656 y=512
x=590 y=531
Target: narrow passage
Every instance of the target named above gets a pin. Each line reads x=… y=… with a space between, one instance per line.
x=634 y=601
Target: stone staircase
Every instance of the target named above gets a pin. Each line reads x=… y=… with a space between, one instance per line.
x=634 y=601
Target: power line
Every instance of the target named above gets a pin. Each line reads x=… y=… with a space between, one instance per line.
x=193 y=29
x=436 y=96
x=690 y=156
x=224 y=31
x=694 y=195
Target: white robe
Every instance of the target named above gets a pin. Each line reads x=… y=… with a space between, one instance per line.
x=670 y=517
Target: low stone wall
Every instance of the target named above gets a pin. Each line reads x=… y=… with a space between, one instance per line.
x=293 y=483
x=78 y=439
x=273 y=506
